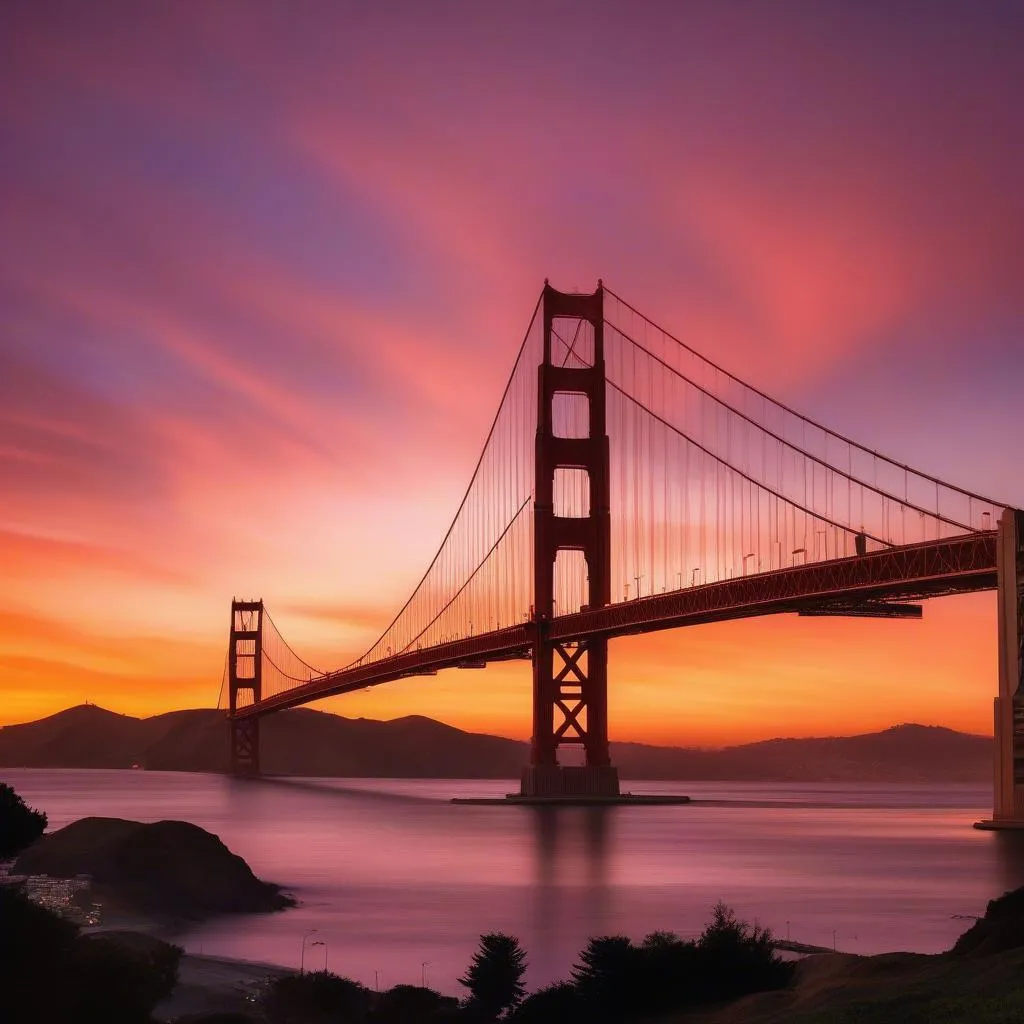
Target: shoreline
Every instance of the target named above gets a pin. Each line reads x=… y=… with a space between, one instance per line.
x=208 y=983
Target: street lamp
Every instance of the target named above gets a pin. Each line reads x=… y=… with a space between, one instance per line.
x=302 y=958
x=799 y=551
x=753 y=554
x=638 y=579
x=318 y=942
x=423 y=973
x=693 y=576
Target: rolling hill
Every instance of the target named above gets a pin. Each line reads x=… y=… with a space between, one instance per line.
x=306 y=742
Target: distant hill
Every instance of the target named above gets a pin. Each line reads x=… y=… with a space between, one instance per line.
x=306 y=742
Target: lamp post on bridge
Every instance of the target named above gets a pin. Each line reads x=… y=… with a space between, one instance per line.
x=753 y=554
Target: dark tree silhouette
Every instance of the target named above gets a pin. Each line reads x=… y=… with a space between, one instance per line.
x=19 y=824
x=495 y=976
x=735 y=958
x=49 y=972
x=607 y=977
x=35 y=949
x=668 y=975
x=116 y=983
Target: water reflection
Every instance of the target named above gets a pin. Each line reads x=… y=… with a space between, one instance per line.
x=392 y=874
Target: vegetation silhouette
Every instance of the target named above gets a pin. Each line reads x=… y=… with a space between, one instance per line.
x=558 y=1002
x=51 y=973
x=614 y=980
x=20 y=824
x=495 y=976
x=405 y=1003
x=316 y=997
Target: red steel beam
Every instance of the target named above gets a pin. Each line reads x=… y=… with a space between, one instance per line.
x=950 y=566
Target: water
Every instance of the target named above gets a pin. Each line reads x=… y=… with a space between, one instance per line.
x=400 y=882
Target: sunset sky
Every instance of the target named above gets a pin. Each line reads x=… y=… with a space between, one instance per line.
x=264 y=268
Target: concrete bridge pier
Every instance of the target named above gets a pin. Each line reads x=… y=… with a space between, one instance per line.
x=1008 y=810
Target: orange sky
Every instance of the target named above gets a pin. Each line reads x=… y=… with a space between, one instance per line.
x=262 y=280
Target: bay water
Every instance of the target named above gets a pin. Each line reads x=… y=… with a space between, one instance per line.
x=399 y=883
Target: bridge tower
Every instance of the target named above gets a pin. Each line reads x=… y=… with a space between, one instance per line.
x=245 y=673
x=570 y=678
x=1009 y=705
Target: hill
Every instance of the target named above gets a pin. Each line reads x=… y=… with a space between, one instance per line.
x=167 y=867
x=306 y=742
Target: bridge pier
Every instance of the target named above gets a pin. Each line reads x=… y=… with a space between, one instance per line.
x=1008 y=810
x=570 y=679
x=245 y=675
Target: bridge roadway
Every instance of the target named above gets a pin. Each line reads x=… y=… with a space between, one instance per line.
x=954 y=565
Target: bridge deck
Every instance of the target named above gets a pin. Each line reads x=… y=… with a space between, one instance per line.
x=953 y=565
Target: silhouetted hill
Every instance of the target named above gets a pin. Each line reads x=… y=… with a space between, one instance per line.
x=169 y=867
x=306 y=742
x=904 y=753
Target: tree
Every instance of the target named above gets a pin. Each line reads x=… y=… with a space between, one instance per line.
x=495 y=977
x=735 y=958
x=19 y=824
x=667 y=972
x=36 y=947
x=608 y=977
x=119 y=978
x=49 y=972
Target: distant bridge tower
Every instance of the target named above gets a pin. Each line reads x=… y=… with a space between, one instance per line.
x=1009 y=709
x=245 y=671
x=570 y=679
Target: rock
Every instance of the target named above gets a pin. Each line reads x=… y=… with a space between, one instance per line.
x=167 y=868
x=1001 y=928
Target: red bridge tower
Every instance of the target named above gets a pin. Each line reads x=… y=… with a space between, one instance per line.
x=245 y=666
x=570 y=679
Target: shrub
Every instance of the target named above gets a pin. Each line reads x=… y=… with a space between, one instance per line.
x=559 y=1002
x=118 y=983
x=35 y=948
x=315 y=997
x=411 y=1004
x=49 y=972
x=734 y=958
x=668 y=973
x=20 y=825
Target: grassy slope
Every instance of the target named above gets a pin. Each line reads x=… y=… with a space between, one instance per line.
x=894 y=988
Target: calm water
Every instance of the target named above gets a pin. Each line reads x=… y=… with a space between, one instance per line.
x=392 y=875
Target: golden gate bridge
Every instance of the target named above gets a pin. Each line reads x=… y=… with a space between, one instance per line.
x=629 y=484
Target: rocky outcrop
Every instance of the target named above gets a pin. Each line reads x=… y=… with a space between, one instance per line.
x=166 y=868
x=1001 y=928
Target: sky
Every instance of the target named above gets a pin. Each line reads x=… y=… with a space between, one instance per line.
x=264 y=268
